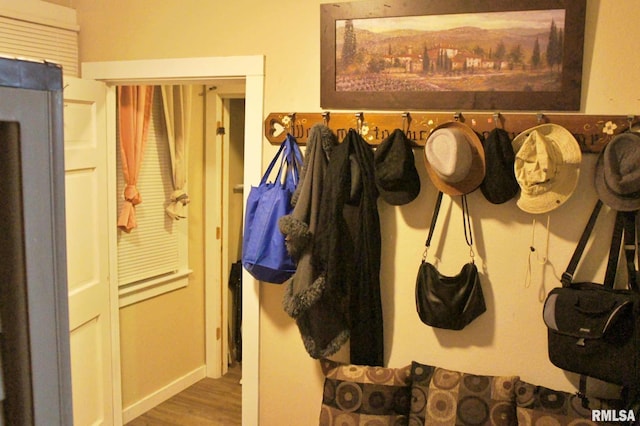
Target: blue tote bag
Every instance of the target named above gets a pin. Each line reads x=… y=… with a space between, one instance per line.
x=264 y=253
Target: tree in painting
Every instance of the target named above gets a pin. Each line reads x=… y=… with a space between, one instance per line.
x=349 y=46
x=501 y=53
x=554 y=47
x=426 y=63
x=515 y=56
x=535 y=56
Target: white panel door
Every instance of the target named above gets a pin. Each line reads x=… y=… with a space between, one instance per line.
x=88 y=251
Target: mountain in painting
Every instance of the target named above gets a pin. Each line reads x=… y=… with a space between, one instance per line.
x=462 y=38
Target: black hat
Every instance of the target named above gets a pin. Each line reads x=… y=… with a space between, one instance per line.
x=395 y=169
x=499 y=184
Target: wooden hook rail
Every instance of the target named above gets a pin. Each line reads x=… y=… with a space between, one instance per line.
x=591 y=131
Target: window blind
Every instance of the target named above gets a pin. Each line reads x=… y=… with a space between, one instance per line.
x=36 y=41
x=152 y=249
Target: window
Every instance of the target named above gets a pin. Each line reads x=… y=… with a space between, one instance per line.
x=152 y=258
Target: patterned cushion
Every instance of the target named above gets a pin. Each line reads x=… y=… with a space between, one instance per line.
x=359 y=395
x=445 y=397
x=540 y=406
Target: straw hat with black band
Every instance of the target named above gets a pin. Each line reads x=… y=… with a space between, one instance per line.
x=547 y=167
x=454 y=158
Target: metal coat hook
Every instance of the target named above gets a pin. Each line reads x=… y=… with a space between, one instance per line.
x=633 y=127
x=630 y=120
x=359 y=121
x=406 y=121
x=457 y=116
x=540 y=117
x=496 y=119
x=325 y=118
x=292 y=122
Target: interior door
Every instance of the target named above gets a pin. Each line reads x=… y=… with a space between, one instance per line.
x=87 y=216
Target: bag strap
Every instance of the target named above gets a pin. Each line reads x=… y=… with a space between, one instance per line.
x=291 y=161
x=294 y=161
x=638 y=248
x=273 y=163
x=623 y=220
x=629 y=219
x=614 y=252
x=567 y=276
x=294 y=155
x=466 y=221
x=434 y=217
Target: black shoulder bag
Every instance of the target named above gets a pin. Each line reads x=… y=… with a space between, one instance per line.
x=594 y=329
x=449 y=302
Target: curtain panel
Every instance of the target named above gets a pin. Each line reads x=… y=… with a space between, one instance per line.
x=134 y=110
x=176 y=101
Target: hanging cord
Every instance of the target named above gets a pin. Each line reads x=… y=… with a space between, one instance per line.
x=532 y=249
x=466 y=221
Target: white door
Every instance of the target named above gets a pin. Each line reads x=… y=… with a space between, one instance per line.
x=87 y=216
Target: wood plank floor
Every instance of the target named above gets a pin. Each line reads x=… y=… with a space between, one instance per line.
x=208 y=402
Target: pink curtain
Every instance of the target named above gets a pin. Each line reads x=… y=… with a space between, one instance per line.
x=134 y=111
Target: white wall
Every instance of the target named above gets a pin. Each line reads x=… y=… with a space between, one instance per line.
x=510 y=338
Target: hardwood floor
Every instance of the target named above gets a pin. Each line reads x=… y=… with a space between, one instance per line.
x=208 y=402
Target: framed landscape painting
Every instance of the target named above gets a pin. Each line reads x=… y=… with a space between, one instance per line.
x=452 y=55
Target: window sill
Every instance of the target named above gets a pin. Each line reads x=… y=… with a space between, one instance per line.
x=137 y=292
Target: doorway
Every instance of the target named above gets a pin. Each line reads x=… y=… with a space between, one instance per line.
x=249 y=70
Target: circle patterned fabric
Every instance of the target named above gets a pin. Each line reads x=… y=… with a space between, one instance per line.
x=361 y=395
x=348 y=396
x=441 y=406
x=473 y=410
x=446 y=397
x=540 y=406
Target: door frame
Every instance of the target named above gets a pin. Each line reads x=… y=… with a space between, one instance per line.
x=206 y=70
x=217 y=236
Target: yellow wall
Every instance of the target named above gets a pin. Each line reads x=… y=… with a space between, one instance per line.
x=162 y=338
x=510 y=338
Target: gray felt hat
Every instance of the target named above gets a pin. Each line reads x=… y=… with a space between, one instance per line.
x=454 y=158
x=617 y=177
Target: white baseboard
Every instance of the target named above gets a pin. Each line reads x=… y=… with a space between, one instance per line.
x=148 y=402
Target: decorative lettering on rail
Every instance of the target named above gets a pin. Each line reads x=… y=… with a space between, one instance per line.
x=592 y=132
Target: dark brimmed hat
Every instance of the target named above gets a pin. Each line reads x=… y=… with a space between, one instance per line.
x=617 y=176
x=499 y=184
x=454 y=158
x=395 y=169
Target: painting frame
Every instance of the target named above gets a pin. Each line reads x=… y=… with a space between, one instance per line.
x=336 y=78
